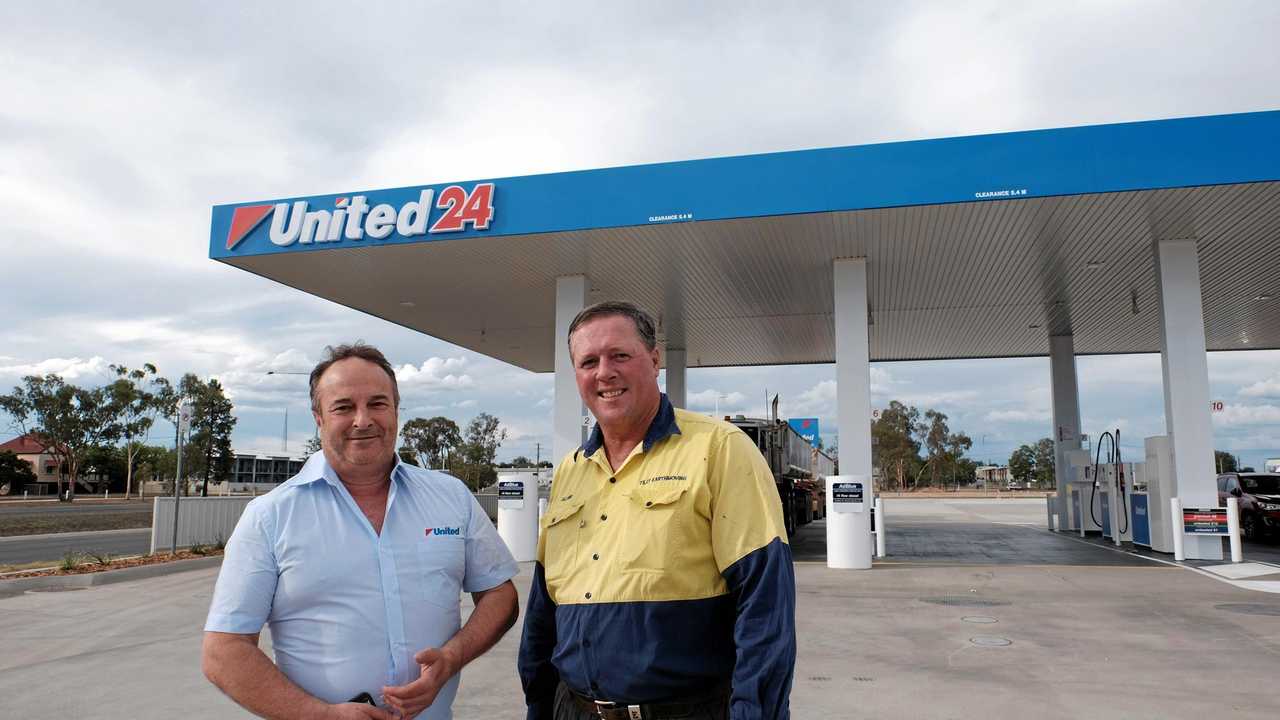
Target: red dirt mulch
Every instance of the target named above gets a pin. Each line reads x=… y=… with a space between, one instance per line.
x=93 y=566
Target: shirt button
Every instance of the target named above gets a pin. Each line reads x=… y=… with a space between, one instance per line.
x=604 y=517
x=582 y=523
x=613 y=480
x=588 y=596
x=649 y=503
x=595 y=556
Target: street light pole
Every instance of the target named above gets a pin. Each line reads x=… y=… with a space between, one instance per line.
x=184 y=421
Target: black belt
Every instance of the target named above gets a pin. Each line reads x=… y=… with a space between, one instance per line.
x=608 y=710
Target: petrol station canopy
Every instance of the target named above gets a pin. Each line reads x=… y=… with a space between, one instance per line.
x=980 y=246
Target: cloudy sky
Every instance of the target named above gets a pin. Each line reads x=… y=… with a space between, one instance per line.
x=123 y=123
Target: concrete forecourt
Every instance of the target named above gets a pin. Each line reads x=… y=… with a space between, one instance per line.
x=1073 y=630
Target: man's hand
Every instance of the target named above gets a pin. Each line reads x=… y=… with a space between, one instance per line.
x=438 y=665
x=356 y=711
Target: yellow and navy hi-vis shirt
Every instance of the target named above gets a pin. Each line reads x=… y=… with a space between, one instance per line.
x=665 y=578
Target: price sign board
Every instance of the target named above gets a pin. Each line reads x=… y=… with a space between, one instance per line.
x=1204 y=521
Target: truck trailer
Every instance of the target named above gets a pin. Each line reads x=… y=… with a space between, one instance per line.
x=799 y=469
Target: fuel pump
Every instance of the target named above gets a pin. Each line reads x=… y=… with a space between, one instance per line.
x=1113 y=485
x=1084 y=510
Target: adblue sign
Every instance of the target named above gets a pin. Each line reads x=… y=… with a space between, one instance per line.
x=352 y=217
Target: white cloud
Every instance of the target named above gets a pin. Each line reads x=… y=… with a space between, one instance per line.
x=1263 y=388
x=1248 y=415
x=68 y=369
x=707 y=400
x=435 y=373
x=1018 y=416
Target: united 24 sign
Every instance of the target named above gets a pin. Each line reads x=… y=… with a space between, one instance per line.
x=353 y=218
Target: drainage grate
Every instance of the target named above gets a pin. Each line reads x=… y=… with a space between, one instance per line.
x=980 y=619
x=964 y=601
x=990 y=641
x=1250 y=608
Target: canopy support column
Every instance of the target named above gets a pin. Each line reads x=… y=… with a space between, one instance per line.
x=853 y=367
x=1066 y=416
x=1185 y=367
x=568 y=410
x=676 y=363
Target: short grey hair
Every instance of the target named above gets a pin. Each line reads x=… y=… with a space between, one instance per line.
x=357 y=349
x=609 y=308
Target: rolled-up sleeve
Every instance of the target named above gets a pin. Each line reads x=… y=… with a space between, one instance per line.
x=247 y=581
x=489 y=561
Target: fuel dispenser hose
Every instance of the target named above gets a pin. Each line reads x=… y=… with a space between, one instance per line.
x=1114 y=457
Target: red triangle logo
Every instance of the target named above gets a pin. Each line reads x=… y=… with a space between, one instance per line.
x=244 y=220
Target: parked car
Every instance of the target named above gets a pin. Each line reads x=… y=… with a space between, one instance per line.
x=1259 y=495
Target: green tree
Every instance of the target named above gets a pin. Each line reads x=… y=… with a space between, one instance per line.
x=433 y=438
x=66 y=419
x=1225 y=461
x=208 y=452
x=1022 y=463
x=936 y=436
x=15 y=473
x=313 y=446
x=136 y=395
x=1045 y=463
x=896 y=449
x=480 y=444
x=407 y=455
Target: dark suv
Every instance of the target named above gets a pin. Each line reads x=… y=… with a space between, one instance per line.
x=1259 y=495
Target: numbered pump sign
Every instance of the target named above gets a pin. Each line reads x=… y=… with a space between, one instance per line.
x=847 y=497
x=511 y=494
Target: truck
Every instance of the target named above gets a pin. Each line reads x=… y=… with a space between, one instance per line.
x=799 y=469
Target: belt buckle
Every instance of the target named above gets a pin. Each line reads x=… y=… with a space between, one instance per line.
x=633 y=711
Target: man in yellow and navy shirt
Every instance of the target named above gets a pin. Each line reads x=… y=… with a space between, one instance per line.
x=664 y=585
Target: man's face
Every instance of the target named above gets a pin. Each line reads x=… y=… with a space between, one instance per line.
x=356 y=415
x=617 y=375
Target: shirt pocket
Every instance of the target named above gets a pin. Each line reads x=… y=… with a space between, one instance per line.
x=561 y=523
x=441 y=562
x=654 y=521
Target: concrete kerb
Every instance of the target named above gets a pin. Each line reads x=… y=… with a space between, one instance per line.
x=10 y=588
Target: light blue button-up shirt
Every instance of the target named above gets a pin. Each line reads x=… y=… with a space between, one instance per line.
x=348 y=608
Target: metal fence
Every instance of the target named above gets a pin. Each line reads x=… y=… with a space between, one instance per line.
x=201 y=520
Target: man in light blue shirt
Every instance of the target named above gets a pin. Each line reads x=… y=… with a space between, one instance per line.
x=357 y=564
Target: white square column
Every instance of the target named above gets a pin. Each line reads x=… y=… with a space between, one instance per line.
x=1066 y=416
x=677 y=360
x=1185 y=367
x=853 y=367
x=568 y=410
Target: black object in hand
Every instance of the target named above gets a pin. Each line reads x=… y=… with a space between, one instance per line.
x=363 y=697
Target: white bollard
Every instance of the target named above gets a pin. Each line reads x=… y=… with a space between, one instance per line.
x=106 y=494
x=849 y=523
x=1233 y=529
x=1175 y=512
x=1048 y=506
x=518 y=514
x=880 y=528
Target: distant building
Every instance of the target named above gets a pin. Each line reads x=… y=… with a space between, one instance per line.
x=992 y=476
x=269 y=469
x=46 y=466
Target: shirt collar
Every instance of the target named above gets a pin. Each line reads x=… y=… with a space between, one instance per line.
x=317 y=468
x=663 y=426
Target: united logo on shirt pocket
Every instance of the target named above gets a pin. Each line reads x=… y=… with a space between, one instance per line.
x=442 y=561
